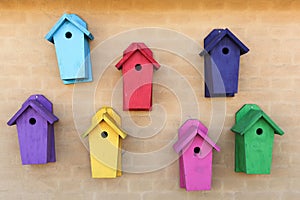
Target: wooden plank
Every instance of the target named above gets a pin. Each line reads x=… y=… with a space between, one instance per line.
x=33 y=136
x=104 y=152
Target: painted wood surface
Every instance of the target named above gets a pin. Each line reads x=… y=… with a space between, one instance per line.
x=195 y=161
x=105 y=144
x=222 y=51
x=254 y=140
x=35 y=125
x=137 y=67
x=70 y=37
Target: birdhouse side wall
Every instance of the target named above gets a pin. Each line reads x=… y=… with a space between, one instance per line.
x=70 y=52
x=33 y=137
x=240 y=155
x=197 y=167
x=87 y=59
x=208 y=75
x=258 y=147
x=119 y=165
x=51 y=156
x=226 y=58
x=137 y=83
x=181 y=173
x=104 y=152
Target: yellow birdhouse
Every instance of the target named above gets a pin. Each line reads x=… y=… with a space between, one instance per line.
x=105 y=143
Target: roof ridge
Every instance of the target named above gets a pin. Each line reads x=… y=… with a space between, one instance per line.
x=250 y=118
x=103 y=115
x=143 y=51
x=75 y=20
x=195 y=128
x=209 y=45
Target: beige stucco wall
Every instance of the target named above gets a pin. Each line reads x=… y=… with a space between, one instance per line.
x=269 y=77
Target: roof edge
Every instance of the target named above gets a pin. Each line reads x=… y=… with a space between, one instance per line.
x=218 y=37
x=60 y=22
x=38 y=107
x=155 y=64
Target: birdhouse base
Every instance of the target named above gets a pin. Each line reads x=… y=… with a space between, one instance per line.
x=219 y=95
x=100 y=170
x=138 y=109
x=267 y=171
x=88 y=78
x=74 y=81
x=211 y=94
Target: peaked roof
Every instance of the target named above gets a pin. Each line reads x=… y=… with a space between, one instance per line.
x=248 y=115
x=191 y=128
x=143 y=49
x=42 y=100
x=36 y=105
x=108 y=115
x=73 y=19
x=216 y=36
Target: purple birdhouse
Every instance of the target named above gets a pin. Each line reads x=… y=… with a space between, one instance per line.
x=195 y=161
x=35 y=121
x=222 y=51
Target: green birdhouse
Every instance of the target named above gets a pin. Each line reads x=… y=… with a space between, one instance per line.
x=254 y=140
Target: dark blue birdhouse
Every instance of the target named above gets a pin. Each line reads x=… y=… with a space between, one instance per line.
x=222 y=51
x=71 y=39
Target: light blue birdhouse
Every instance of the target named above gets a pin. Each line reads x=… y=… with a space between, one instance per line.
x=70 y=37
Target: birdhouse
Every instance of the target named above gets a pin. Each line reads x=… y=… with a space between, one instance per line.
x=137 y=67
x=254 y=140
x=105 y=143
x=35 y=125
x=195 y=161
x=222 y=51
x=71 y=39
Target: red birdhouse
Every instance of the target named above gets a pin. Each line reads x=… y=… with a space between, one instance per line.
x=137 y=67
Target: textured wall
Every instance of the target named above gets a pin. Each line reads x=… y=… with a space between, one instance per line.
x=269 y=77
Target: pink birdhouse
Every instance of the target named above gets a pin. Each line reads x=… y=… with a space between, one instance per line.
x=195 y=162
x=137 y=67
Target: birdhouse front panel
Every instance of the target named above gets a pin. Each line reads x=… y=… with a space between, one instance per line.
x=137 y=83
x=104 y=151
x=197 y=166
x=225 y=70
x=70 y=47
x=34 y=141
x=259 y=146
x=51 y=142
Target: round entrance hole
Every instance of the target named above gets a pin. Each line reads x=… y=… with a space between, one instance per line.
x=259 y=131
x=104 y=134
x=68 y=35
x=138 y=67
x=225 y=50
x=32 y=121
x=197 y=150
